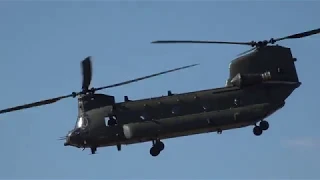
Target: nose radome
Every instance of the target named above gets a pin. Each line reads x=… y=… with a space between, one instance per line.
x=67 y=143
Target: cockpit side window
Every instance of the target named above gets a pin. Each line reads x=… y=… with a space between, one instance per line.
x=82 y=122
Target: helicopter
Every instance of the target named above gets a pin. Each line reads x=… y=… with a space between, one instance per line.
x=259 y=82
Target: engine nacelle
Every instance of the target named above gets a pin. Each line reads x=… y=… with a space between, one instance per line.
x=241 y=80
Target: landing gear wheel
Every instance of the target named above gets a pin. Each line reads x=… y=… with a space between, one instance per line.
x=156 y=148
x=154 y=151
x=93 y=150
x=159 y=145
x=119 y=147
x=257 y=131
x=264 y=125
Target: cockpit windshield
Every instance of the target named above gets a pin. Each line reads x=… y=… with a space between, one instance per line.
x=82 y=122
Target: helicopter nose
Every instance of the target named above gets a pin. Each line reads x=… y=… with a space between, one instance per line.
x=68 y=139
x=73 y=138
x=67 y=143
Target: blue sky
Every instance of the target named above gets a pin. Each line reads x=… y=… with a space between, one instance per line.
x=42 y=45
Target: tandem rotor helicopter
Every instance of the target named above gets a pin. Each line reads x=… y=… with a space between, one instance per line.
x=258 y=85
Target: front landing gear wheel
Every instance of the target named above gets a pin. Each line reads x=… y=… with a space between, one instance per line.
x=264 y=125
x=154 y=151
x=93 y=150
x=257 y=131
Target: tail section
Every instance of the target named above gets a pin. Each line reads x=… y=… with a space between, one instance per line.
x=274 y=60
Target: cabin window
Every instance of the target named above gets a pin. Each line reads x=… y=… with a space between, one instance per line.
x=110 y=121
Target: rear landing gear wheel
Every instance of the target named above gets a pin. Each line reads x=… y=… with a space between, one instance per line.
x=257 y=131
x=264 y=125
x=157 y=147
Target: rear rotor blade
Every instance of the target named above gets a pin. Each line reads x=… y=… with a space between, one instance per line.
x=145 y=77
x=35 y=104
x=202 y=42
x=86 y=73
x=247 y=51
x=300 y=35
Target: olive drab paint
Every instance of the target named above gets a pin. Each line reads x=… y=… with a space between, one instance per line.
x=259 y=82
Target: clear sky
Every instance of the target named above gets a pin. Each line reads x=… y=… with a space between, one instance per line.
x=41 y=47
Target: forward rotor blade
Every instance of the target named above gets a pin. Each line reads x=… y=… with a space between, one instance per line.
x=300 y=35
x=35 y=104
x=201 y=42
x=145 y=77
x=86 y=73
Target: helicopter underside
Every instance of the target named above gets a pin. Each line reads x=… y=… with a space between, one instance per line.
x=215 y=121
